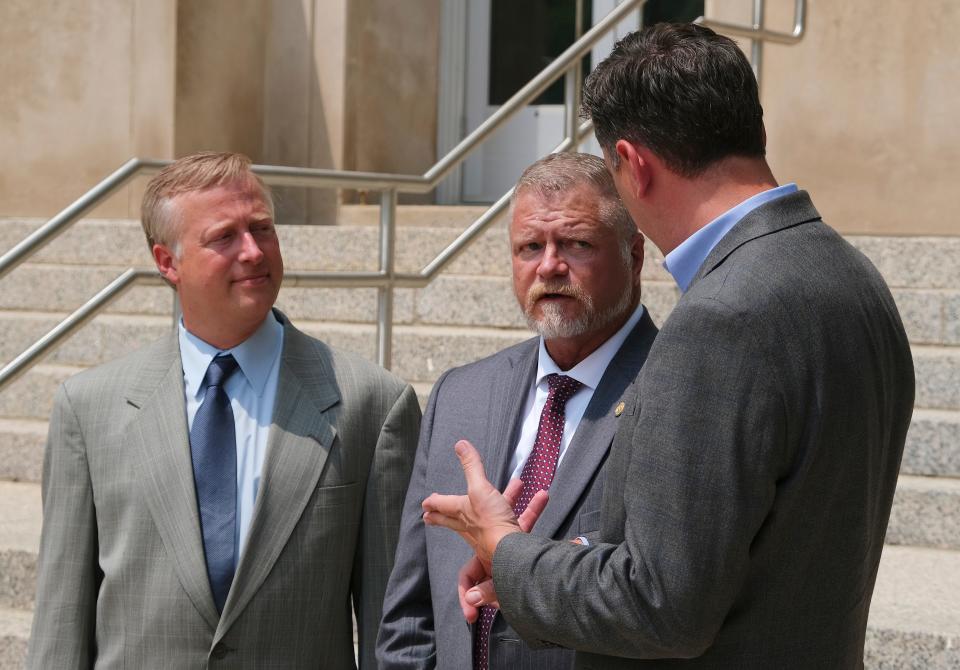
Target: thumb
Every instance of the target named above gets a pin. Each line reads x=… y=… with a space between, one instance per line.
x=472 y=465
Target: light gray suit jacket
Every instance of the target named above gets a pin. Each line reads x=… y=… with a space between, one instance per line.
x=423 y=626
x=122 y=580
x=748 y=498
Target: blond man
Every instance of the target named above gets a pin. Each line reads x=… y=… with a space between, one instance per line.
x=221 y=497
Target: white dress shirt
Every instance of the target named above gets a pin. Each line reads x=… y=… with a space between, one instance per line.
x=588 y=372
x=252 y=393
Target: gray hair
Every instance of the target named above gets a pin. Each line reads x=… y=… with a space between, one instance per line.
x=560 y=172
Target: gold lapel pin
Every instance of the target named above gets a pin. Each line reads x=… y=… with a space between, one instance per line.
x=619 y=409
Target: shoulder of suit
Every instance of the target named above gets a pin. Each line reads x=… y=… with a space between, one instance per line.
x=340 y=362
x=496 y=361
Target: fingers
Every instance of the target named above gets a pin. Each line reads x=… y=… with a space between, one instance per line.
x=469 y=575
x=449 y=506
x=513 y=491
x=483 y=593
x=533 y=511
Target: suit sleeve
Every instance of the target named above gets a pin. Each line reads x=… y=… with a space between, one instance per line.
x=386 y=486
x=701 y=466
x=407 y=634
x=68 y=575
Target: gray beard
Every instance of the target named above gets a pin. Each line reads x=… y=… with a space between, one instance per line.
x=552 y=325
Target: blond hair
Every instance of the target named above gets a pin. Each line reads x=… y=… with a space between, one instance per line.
x=196 y=172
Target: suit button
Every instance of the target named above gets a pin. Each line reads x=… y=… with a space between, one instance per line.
x=219 y=650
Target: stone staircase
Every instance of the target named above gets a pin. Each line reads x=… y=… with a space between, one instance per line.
x=467 y=313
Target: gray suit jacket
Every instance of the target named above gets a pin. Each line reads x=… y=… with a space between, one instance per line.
x=122 y=579
x=482 y=402
x=748 y=498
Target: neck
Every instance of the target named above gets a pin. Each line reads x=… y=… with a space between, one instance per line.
x=218 y=336
x=688 y=204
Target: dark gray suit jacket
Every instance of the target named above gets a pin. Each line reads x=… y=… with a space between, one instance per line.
x=748 y=499
x=423 y=626
x=122 y=580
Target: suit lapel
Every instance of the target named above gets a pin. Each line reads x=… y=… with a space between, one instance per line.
x=509 y=394
x=591 y=442
x=165 y=469
x=300 y=440
x=785 y=212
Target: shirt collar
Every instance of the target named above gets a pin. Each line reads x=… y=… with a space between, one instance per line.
x=684 y=261
x=255 y=355
x=590 y=370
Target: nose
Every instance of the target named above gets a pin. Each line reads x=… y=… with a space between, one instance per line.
x=250 y=251
x=552 y=263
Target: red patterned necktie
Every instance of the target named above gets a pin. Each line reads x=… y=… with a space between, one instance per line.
x=537 y=474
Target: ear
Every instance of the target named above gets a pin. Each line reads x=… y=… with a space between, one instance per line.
x=166 y=263
x=636 y=163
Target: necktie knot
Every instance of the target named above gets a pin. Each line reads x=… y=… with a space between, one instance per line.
x=562 y=387
x=220 y=370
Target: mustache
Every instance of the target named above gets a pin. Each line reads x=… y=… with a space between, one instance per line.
x=538 y=291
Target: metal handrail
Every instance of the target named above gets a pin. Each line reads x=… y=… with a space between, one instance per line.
x=758 y=32
x=385 y=279
x=382 y=280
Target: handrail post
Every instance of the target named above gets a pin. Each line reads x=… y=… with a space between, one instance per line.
x=388 y=224
x=572 y=83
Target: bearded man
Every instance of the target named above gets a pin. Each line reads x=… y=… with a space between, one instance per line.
x=542 y=413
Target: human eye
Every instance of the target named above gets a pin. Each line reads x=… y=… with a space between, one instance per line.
x=528 y=247
x=577 y=244
x=264 y=228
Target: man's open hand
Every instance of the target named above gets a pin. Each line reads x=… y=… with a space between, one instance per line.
x=482 y=517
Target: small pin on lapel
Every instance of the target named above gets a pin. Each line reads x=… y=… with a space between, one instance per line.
x=619 y=408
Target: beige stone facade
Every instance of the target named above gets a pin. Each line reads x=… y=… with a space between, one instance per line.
x=861 y=112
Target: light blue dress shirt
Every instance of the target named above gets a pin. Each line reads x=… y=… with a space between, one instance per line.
x=252 y=395
x=684 y=261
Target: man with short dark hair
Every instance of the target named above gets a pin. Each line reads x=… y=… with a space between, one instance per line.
x=748 y=496
x=218 y=498
x=543 y=412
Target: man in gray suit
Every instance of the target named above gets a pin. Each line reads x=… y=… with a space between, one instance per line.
x=219 y=497
x=577 y=258
x=748 y=496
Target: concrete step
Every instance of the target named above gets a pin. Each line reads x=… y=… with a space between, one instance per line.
x=931 y=316
x=14 y=634
x=937 y=371
x=915 y=613
x=421 y=352
x=926 y=512
x=31 y=396
x=19 y=543
x=913 y=262
x=349 y=248
x=108 y=336
x=465 y=300
x=21 y=448
x=933 y=444
x=906 y=262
